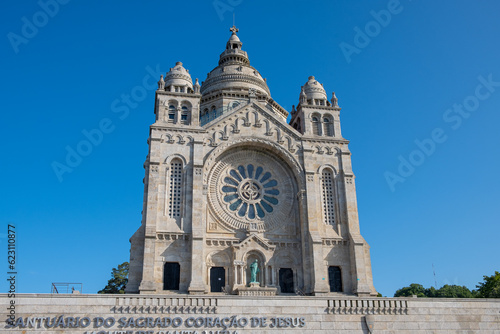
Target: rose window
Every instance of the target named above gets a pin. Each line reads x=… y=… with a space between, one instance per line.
x=250 y=192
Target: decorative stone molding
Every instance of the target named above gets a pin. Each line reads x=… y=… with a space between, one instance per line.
x=256 y=291
x=221 y=242
x=251 y=190
x=175 y=139
x=331 y=242
x=285 y=244
x=211 y=159
x=170 y=305
x=367 y=306
x=272 y=126
x=164 y=309
x=172 y=236
x=255 y=238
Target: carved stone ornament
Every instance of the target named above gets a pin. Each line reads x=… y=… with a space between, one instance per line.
x=251 y=188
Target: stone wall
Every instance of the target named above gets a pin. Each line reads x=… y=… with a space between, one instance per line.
x=280 y=314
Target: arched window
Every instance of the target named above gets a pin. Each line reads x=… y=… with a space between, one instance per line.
x=171 y=113
x=213 y=113
x=175 y=189
x=316 y=126
x=328 y=126
x=328 y=197
x=185 y=115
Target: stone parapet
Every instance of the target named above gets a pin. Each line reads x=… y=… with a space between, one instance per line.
x=244 y=314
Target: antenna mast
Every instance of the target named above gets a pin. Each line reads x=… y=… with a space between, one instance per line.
x=434 y=272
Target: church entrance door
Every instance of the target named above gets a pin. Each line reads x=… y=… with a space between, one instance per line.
x=171 y=276
x=335 y=279
x=217 y=279
x=286 y=280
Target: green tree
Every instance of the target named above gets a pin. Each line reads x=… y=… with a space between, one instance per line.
x=118 y=281
x=446 y=291
x=453 y=291
x=413 y=289
x=490 y=287
x=431 y=292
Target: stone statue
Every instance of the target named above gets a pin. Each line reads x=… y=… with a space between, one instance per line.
x=254 y=270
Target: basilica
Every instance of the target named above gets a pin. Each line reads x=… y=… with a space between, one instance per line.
x=244 y=197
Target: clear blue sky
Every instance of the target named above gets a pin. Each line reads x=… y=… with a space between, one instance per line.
x=397 y=88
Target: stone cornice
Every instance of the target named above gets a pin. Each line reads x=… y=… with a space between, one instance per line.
x=176 y=128
x=166 y=92
x=329 y=140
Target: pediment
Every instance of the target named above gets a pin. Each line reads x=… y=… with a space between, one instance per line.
x=253 y=241
x=254 y=119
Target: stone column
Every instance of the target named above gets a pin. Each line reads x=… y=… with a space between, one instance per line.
x=336 y=124
x=295 y=279
x=313 y=259
x=244 y=276
x=148 y=282
x=263 y=276
x=359 y=250
x=178 y=112
x=198 y=222
x=235 y=274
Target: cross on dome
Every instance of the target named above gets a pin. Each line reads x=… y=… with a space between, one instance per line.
x=234 y=29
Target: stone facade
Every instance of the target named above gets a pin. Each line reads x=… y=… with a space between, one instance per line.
x=139 y=314
x=229 y=181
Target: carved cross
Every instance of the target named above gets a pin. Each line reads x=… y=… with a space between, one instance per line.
x=234 y=29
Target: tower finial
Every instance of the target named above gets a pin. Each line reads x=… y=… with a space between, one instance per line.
x=234 y=29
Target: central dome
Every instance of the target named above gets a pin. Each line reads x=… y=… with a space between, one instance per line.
x=234 y=71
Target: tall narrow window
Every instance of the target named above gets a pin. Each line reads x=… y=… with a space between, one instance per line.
x=316 y=126
x=328 y=197
x=185 y=115
x=175 y=191
x=171 y=113
x=328 y=126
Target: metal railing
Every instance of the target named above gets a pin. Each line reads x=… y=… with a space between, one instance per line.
x=66 y=288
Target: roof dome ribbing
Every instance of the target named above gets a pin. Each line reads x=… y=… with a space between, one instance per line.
x=178 y=76
x=314 y=90
x=234 y=71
